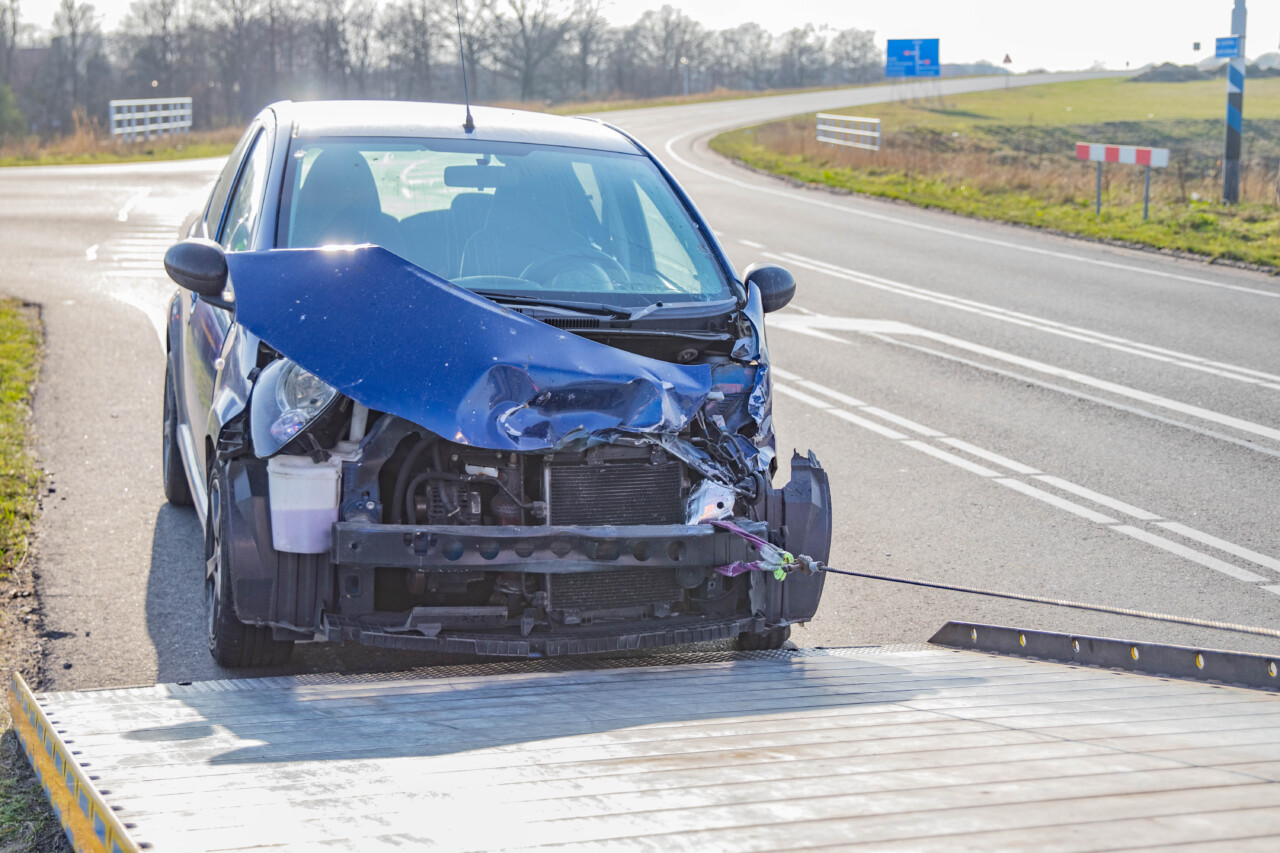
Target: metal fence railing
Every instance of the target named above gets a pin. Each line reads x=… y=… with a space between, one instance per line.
x=851 y=131
x=148 y=117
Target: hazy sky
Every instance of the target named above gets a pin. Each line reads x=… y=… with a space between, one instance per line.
x=1035 y=33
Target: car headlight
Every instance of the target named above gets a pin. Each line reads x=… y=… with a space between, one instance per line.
x=286 y=401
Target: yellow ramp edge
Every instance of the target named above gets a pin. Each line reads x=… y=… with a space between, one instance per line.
x=89 y=823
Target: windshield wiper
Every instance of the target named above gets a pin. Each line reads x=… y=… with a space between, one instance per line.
x=580 y=307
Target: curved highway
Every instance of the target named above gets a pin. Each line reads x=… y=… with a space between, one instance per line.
x=998 y=408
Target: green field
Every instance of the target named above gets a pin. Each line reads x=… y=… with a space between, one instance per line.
x=1008 y=154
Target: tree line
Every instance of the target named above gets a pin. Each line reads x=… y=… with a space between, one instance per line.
x=235 y=56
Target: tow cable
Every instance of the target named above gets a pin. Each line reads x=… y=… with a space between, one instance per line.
x=781 y=563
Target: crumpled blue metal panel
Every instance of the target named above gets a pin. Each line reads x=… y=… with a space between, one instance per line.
x=399 y=339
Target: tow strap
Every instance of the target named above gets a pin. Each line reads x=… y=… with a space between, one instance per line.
x=781 y=563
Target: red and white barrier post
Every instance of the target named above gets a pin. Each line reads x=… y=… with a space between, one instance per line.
x=1132 y=154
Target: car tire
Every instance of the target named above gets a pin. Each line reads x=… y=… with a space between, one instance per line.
x=231 y=642
x=176 y=490
x=773 y=638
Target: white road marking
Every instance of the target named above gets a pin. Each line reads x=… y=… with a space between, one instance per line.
x=1100 y=499
x=1055 y=501
x=1222 y=545
x=934 y=229
x=866 y=424
x=1030 y=490
x=1231 y=371
x=816 y=323
x=1187 y=553
x=1002 y=461
x=751 y=243
x=91 y=253
x=1111 y=387
x=952 y=459
x=921 y=429
x=1274 y=588
x=1081 y=395
x=123 y=215
x=833 y=394
x=802 y=397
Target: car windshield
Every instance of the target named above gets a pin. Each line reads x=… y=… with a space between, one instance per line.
x=535 y=221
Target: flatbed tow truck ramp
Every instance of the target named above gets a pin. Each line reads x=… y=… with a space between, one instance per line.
x=949 y=747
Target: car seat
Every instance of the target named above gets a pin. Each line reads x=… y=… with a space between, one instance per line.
x=338 y=204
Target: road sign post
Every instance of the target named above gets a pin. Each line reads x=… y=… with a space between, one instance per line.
x=1233 y=49
x=1097 y=204
x=1149 y=157
x=1146 y=194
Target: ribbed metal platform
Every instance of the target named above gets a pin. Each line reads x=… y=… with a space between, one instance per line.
x=914 y=748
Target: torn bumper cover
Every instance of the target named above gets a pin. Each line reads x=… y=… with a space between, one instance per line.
x=542 y=550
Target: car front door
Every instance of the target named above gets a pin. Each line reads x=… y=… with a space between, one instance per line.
x=232 y=220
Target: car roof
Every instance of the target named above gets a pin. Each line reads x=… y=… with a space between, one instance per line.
x=444 y=121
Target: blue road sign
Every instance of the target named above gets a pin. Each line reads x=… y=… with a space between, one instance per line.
x=912 y=58
x=1228 y=48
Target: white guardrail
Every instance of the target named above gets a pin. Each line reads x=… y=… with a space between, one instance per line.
x=148 y=117
x=850 y=131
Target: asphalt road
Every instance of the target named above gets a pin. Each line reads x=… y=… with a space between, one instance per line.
x=997 y=407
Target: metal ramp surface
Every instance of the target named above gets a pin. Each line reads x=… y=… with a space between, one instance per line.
x=917 y=748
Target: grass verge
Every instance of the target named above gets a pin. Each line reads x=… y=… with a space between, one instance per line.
x=86 y=146
x=1008 y=155
x=26 y=823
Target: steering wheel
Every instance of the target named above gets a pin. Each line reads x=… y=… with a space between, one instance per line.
x=548 y=268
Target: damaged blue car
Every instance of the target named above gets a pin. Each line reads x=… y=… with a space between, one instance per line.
x=491 y=389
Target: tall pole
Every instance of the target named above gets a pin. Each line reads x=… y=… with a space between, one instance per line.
x=1235 y=112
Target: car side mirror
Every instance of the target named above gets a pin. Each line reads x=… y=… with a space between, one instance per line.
x=200 y=266
x=776 y=285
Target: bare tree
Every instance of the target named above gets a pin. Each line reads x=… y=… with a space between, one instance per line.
x=10 y=21
x=77 y=24
x=587 y=31
x=526 y=34
x=855 y=57
x=477 y=37
x=361 y=44
x=803 y=60
x=412 y=31
x=152 y=36
x=744 y=56
x=234 y=25
x=667 y=36
x=329 y=22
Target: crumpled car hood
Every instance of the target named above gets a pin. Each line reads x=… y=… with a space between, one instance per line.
x=398 y=339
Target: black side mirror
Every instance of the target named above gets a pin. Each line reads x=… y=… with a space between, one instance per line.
x=776 y=285
x=200 y=266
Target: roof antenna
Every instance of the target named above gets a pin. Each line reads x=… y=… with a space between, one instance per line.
x=468 y=125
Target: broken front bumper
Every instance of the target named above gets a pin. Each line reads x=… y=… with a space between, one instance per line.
x=544 y=550
x=621 y=637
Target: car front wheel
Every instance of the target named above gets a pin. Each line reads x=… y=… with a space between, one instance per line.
x=231 y=642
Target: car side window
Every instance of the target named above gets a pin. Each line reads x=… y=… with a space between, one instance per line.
x=241 y=221
x=208 y=225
